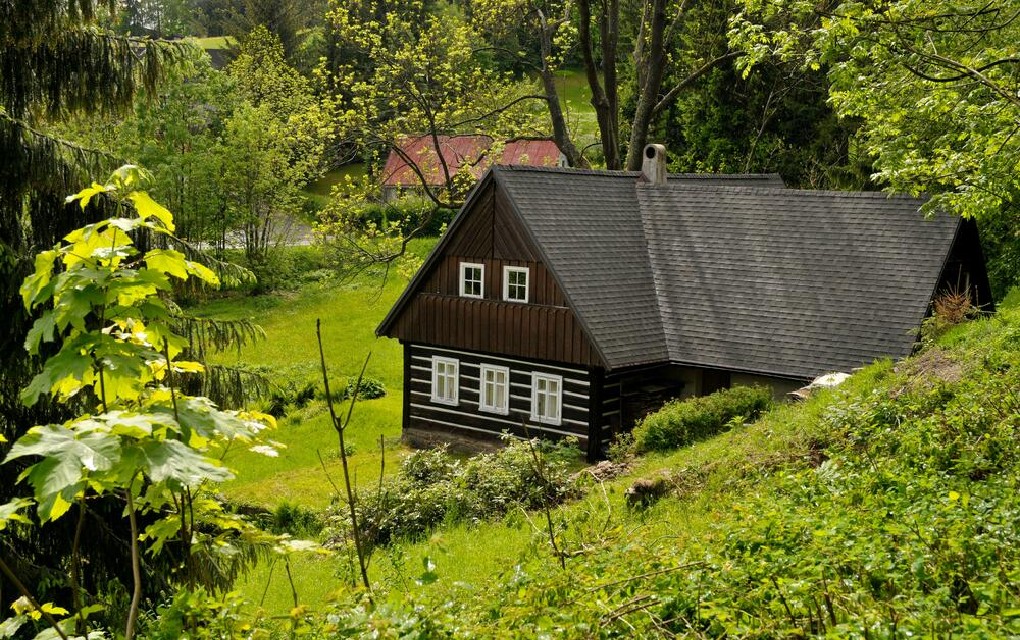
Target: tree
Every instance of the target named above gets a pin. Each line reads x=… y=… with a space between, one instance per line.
x=501 y=22
x=175 y=134
x=139 y=439
x=272 y=144
x=158 y=18
x=934 y=85
x=407 y=72
x=663 y=63
x=56 y=63
x=775 y=120
x=285 y=19
x=53 y=62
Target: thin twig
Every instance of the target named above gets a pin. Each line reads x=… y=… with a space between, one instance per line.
x=269 y=580
x=540 y=470
x=79 y=625
x=6 y=570
x=340 y=428
x=645 y=575
x=782 y=599
x=325 y=471
x=136 y=572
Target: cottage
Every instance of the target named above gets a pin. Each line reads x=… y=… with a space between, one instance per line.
x=575 y=301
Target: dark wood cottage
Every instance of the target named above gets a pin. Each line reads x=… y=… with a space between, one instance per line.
x=575 y=301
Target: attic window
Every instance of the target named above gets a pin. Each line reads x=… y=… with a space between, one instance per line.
x=515 y=284
x=471 y=277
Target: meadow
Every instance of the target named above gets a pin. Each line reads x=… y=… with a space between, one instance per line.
x=349 y=313
x=739 y=506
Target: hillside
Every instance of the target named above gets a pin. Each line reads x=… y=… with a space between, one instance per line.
x=885 y=508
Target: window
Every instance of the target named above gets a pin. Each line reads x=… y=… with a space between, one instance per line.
x=493 y=389
x=546 y=398
x=515 y=284
x=471 y=276
x=444 y=380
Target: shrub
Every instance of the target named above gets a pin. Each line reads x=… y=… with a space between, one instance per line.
x=409 y=214
x=295 y=520
x=289 y=394
x=681 y=422
x=433 y=487
x=369 y=389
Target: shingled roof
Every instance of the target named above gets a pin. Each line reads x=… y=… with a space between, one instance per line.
x=732 y=271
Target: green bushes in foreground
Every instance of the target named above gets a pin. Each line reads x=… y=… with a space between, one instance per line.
x=433 y=487
x=681 y=422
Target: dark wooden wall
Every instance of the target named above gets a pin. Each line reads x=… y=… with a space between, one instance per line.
x=420 y=414
x=542 y=329
x=965 y=270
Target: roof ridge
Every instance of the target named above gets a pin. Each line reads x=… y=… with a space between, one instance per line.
x=764 y=189
x=622 y=173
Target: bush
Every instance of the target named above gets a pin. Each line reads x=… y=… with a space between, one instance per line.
x=295 y=520
x=433 y=487
x=289 y=394
x=409 y=215
x=370 y=388
x=286 y=268
x=679 y=423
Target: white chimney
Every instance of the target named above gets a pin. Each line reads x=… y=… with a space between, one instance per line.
x=653 y=167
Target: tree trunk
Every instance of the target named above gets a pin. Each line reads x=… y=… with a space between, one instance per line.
x=561 y=134
x=651 y=63
x=605 y=100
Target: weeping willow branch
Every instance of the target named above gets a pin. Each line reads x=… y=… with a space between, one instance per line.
x=207 y=335
x=230 y=274
x=227 y=386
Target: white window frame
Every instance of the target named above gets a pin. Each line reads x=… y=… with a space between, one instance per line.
x=556 y=417
x=484 y=403
x=464 y=266
x=450 y=398
x=506 y=283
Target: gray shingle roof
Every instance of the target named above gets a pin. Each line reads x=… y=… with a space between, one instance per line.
x=710 y=271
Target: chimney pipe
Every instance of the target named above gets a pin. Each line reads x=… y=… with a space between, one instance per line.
x=653 y=166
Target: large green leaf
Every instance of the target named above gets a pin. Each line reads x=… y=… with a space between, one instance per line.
x=172 y=460
x=168 y=261
x=149 y=208
x=71 y=362
x=35 y=286
x=42 y=331
x=69 y=455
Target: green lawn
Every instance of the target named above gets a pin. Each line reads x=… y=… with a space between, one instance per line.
x=575 y=96
x=215 y=42
x=349 y=314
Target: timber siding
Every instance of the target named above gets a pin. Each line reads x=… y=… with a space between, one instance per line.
x=543 y=329
x=510 y=328
x=421 y=414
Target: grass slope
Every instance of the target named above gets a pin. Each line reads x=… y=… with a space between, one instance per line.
x=349 y=314
x=885 y=508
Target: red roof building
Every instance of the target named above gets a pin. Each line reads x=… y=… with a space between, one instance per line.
x=418 y=154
